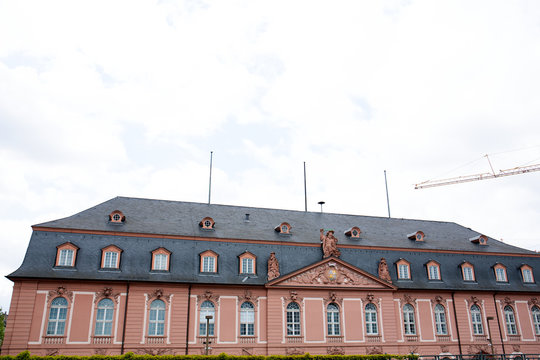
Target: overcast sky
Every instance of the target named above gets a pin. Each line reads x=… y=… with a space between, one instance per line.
x=107 y=98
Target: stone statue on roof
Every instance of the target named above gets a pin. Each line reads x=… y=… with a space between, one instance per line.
x=329 y=244
x=384 y=274
x=273 y=267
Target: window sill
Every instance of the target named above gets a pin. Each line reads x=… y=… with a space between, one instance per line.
x=69 y=268
x=109 y=269
x=163 y=272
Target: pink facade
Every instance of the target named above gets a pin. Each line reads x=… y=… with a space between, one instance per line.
x=31 y=307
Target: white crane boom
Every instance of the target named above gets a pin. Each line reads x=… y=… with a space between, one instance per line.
x=484 y=176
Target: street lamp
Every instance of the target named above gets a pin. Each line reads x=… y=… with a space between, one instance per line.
x=489 y=318
x=207 y=342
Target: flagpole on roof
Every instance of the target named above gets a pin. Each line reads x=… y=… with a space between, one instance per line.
x=387 y=198
x=210 y=181
x=305 y=188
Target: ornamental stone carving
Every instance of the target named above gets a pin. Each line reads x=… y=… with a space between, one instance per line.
x=508 y=301
x=273 y=267
x=474 y=300
x=248 y=296
x=293 y=296
x=533 y=301
x=208 y=295
x=332 y=298
x=329 y=244
x=384 y=274
x=106 y=293
x=438 y=299
x=335 y=350
x=247 y=351
x=60 y=291
x=332 y=274
x=444 y=348
x=158 y=294
x=294 y=351
x=408 y=299
x=374 y=350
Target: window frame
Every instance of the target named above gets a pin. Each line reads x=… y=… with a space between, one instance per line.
x=108 y=250
x=293 y=324
x=535 y=313
x=157 y=321
x=245 y=256
x=510 y=320
x=466 y=269
x=500 y=270
x=161 y=251
x=526 y=269
x=477 y=325
x=66 y=247
x=409 y=320
x=207 y=223
x=441 y=324
x=372 y=325
x=433 y=264
x=247 y=319
x=333 y=320
x=57 y=320
x=103 y=322
x=403 y=264
x=208 y=254
x=203 y=311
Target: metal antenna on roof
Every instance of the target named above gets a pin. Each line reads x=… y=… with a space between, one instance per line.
x=305 y=187
x=210 y=181
x=387 y=198
x=321 y=203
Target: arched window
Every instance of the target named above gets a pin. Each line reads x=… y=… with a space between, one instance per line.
x=440 y=320
x=476 y=320
x=371 y=319
x=510 y=320
x=293 y=319
x=247 y=319
x=104 y=318
x=57 y=317
x=207 y=308
x=408 y=320
x=536 y=319
x=332 y=317
x=156 y=324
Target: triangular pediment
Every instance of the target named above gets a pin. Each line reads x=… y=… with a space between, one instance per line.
x=331 y=273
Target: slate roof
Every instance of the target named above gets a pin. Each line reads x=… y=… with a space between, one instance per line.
x=161 y=221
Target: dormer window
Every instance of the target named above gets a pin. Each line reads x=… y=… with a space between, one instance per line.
x=66 y=255
x=416 y=236
x=208 y=262
x=110 y=257
x=480 y=239
x=353 y=232
x=207 y=223
x=161 y=259
x=500 y=273
x=403 y=269
x=117 y=217
x=248 y=263
x=467 y=270
x=433 y=270
x=283 y=228
x=527 y=274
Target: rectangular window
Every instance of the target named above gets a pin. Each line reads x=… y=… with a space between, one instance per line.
x=66 y=257
x=468 y=274
x=247 y=266
x=527 y=276
x=110 y=259
x=208 y=264
x=500 y=274
x=434 y=272
x=403 y=271
x=160 y=261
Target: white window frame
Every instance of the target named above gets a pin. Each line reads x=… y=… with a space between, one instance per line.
x=57 y=317
x=536 y=319
x=371 y=319
x=110 y=260
x=434 y=273
x=293 y=319
x=66 y=257
x=476 y=320
x=156 y=318
x=209 y=264
x=160 y=261
x=500 y=275
x=248 y=265
x=409 y=323
x=403 y=270
x=247 y=319
x=527 y=275
x=510 y=319
x=468 y=274
x=207 y=308
x=440 y=320
x=332 y=319
x=104 y=318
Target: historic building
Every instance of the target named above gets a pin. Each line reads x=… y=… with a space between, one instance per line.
x=159 y=277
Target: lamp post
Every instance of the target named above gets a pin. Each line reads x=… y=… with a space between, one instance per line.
x=489 y=318
x=207 y=342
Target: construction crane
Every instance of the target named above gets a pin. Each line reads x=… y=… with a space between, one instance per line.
x=484 y=176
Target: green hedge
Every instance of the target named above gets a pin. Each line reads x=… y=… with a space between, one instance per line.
x=25 y=355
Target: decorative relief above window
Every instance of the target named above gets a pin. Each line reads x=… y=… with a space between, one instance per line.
x=207 y=223
x=416 y=236
x=353 y=232
x=283 y=228
x=66 y=255
x=117 y=217
x=480 y=239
